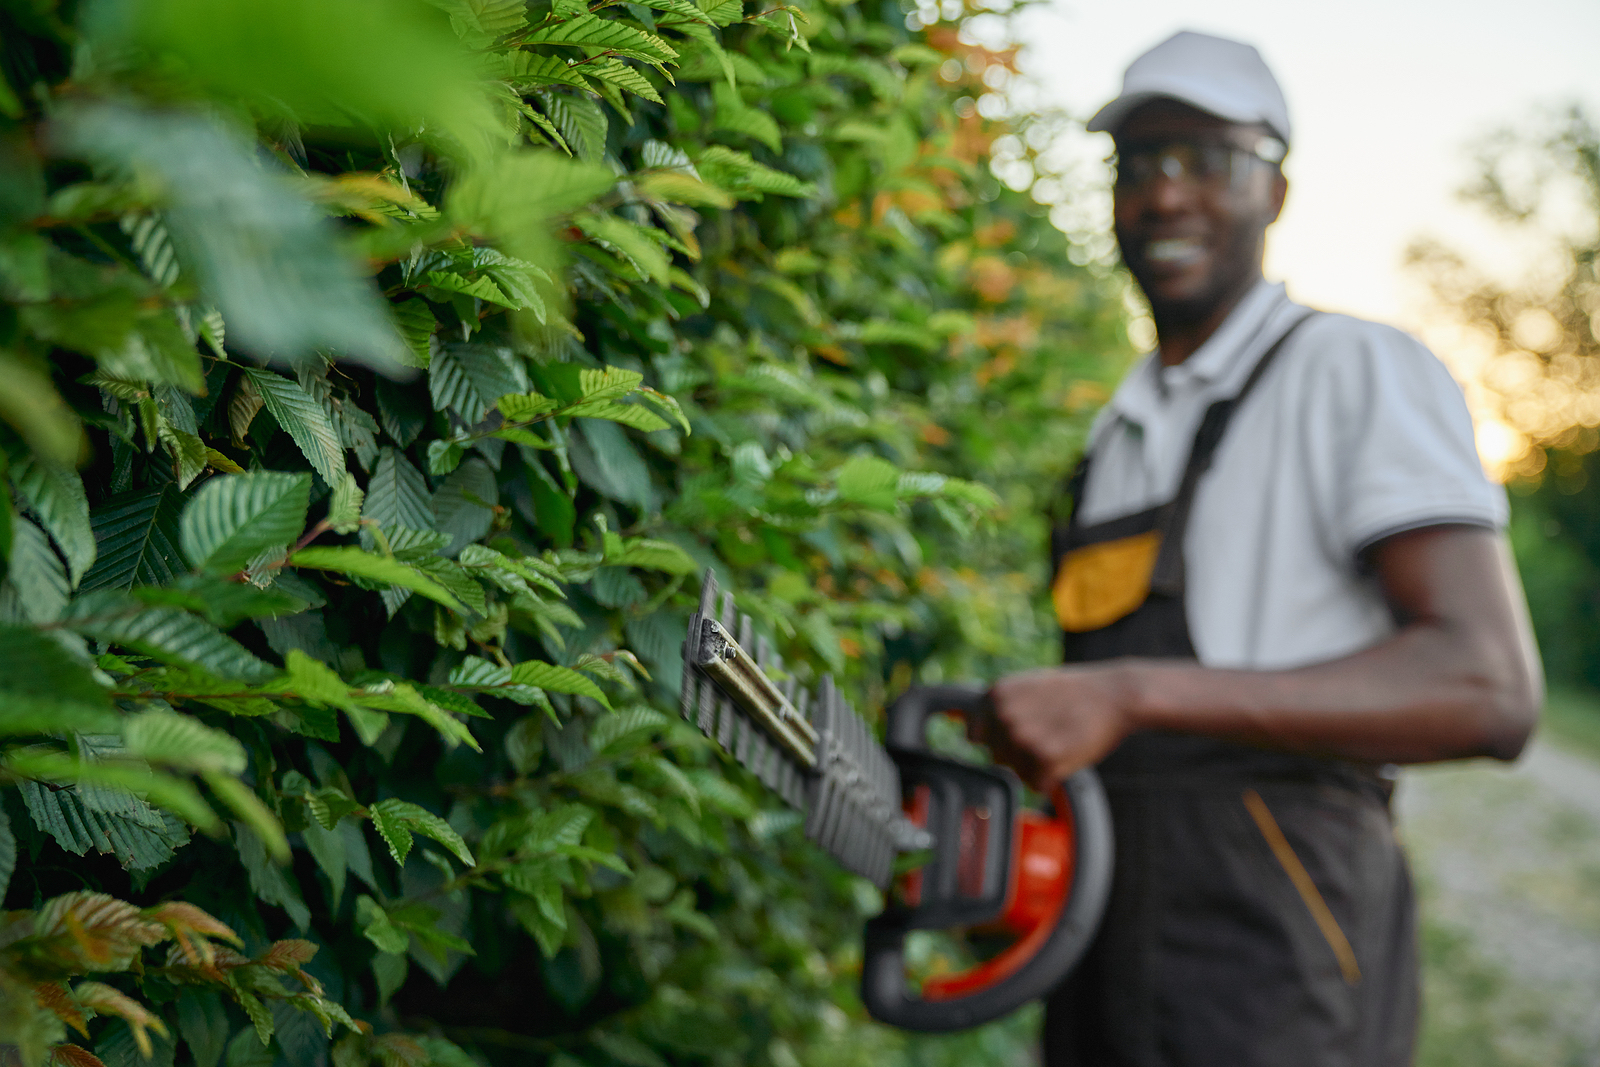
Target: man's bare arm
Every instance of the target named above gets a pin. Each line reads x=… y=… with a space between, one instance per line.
x=1460 y=678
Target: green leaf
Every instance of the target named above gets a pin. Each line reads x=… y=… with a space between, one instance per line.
x=739 y=174
x=397 y=494
x=556 y=679
x=203 y=1024
x=466 y=379
x=261 y=846
x=515 y=198
x=641 y=246
x=32 y=407
x=8 y=853
x=733 y=115
x=464 y=505
x=221 y=602
x=139 y=836
x=615 y=72
x=416 y=323
x=522 y=407
x=139 y=537
x=358 y=564
x=268 y=260
x=179 y=741
x=344 y=507
x=605 y=35
x=36 y=575
x=525 y=70
x=44 y=688
x=234 y=517
x=304 y=420
x=374 y=921
x=55 y=495
x=869 y=481
x=399 y=816
x=635 y=416
x=108 y=782
x=165 y=633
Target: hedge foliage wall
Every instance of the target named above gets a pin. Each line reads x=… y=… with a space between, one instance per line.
x=376 y=379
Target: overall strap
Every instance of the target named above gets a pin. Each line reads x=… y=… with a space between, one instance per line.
x=1168 y=576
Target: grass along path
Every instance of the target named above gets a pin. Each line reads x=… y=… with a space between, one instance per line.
x=1508 y=864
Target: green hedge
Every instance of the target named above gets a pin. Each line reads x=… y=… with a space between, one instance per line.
x=376 y=380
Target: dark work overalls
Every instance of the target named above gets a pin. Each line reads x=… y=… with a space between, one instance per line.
x=1261 y=912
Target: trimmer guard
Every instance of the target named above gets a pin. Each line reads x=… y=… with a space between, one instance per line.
x=996 y=866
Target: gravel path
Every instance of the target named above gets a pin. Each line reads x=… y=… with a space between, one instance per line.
x=1508 y=860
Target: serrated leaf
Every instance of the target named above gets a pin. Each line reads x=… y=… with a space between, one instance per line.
x=165 y=633
x=264 y=827
x=418 y=819
x=304 y=420
x=8 y=853
x=615 y=72
x=397 y=494
x=55 y=495
x=140 y=837
x=739 y=174
x=374 y=921
x=870 y=481
x=676 y=187
x=556 y=679
x=515 y=197
x=35 y=573
x=635 y=416
x=527 y=70
x=639 y=245
x=589 y=31
x=624 y=722
x=416 y=323
x=466 y=379
x=344 y=506
x=464 y=504
x=262 y=253
x=139 y=539
x=358 y=564
x=521 y=407
x=233 y=518
x=179 y=741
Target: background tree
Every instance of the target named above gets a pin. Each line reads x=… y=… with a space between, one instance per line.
x=376 y=379
x=1542 y=184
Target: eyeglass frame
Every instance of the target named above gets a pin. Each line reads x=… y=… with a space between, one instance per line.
x=1266 y=149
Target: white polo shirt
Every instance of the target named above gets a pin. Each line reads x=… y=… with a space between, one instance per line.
x=1355 y=432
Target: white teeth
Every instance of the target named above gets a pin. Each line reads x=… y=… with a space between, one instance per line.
x=1175 y=251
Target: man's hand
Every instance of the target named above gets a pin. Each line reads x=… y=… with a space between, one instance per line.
x=1052 y=722
x=1460 y=677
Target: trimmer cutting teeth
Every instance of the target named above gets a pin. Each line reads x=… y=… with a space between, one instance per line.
x=994 y=865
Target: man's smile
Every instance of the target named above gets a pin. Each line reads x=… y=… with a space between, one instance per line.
x=1173 y=251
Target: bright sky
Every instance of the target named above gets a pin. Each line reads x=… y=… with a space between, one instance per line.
x=1385 y=96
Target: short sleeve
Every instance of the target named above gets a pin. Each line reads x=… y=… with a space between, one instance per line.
x=1402 y=452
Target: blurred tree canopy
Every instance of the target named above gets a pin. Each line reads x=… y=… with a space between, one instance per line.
x=1542 y=182
x=376 y=377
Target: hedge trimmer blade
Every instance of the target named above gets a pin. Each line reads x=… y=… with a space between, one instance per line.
x=812 y=749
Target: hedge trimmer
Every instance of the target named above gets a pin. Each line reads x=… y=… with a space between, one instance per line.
x=993 y=866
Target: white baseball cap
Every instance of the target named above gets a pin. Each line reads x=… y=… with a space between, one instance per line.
x=1227 y=78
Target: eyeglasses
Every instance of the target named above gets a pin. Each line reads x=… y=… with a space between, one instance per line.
x=1211 y=164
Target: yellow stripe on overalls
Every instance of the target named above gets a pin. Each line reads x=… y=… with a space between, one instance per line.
x=1100 y=583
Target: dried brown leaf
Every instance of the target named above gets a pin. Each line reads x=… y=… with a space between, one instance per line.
x=54 y=997
x=73 y=1056
x=104 y=1000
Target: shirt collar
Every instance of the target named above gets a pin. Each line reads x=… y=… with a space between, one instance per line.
x=1150 y=386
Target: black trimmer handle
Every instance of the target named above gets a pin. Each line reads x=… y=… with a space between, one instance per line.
x=907 y=726
x=1081 y=802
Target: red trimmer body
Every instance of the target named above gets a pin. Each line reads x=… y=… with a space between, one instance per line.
x=1039 y=878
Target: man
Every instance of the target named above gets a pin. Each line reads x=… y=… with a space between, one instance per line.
x=1267 y=602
